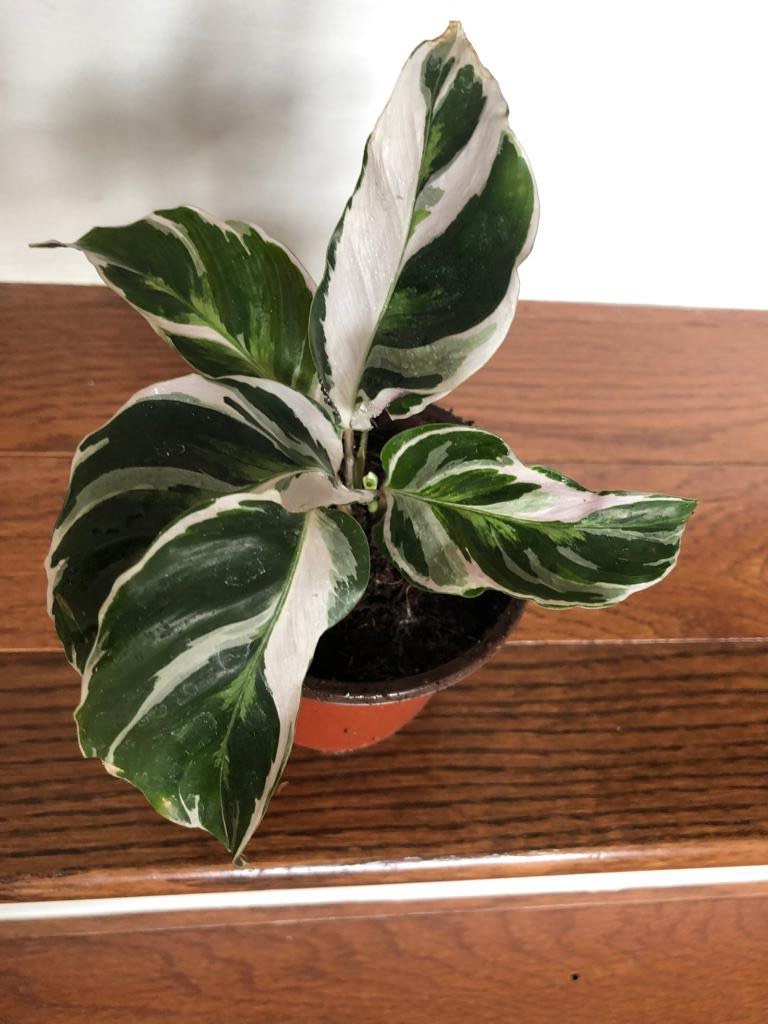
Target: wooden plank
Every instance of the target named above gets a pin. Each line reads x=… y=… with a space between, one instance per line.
x=608 y=384
x=717 y=591
x=617 y=384
x=552 y=759
x=675 y=959
x=94 y=352
x=586 y=745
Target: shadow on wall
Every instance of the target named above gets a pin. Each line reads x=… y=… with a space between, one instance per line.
x=211 y=112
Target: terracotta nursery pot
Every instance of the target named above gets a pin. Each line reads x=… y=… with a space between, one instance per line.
x=336 y=717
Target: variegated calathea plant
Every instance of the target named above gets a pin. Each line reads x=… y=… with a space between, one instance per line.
x=207 y=538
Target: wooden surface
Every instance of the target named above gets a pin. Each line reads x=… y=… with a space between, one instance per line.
x=663 y=958
x=552 y=759
x=630 y=738
x=617 y=397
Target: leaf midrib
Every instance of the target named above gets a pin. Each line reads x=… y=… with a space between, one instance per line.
x=396 y=276
x=536 y=523
x=461 y=507
x=159 y=285
x=279 y=605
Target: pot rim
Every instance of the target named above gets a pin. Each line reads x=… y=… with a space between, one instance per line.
x=388 y=691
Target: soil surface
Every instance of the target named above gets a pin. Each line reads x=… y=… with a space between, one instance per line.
x=398 y=630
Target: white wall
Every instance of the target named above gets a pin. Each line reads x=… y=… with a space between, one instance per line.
x=645 y=124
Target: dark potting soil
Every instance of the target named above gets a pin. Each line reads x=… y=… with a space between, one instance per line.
x=397 y=630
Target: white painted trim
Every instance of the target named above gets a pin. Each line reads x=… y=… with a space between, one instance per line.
x=394 y=892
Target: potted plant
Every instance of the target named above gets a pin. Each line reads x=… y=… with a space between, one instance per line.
x=222 y=523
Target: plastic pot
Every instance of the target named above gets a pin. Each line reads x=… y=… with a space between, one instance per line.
x=339 y=717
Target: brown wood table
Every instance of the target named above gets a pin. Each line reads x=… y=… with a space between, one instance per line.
x=563 y=807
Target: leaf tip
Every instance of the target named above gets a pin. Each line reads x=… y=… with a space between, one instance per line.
x=684 y=508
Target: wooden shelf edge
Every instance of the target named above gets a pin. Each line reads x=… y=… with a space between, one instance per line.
x=114 y=882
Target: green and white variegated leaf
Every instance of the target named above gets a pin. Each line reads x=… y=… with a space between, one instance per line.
x=421 y=281
x=173 y=446
x=226 y=296
x=464 y=514
x=192 y=688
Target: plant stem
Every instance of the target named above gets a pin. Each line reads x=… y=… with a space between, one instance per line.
x=348 y=440
x=362 y=447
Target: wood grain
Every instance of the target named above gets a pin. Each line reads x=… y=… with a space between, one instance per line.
x=673 y=400
x=719 y=557
x=615 y=961
x=632 y=738
x=553 y=758
x=94 y=352
x=573 y=382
